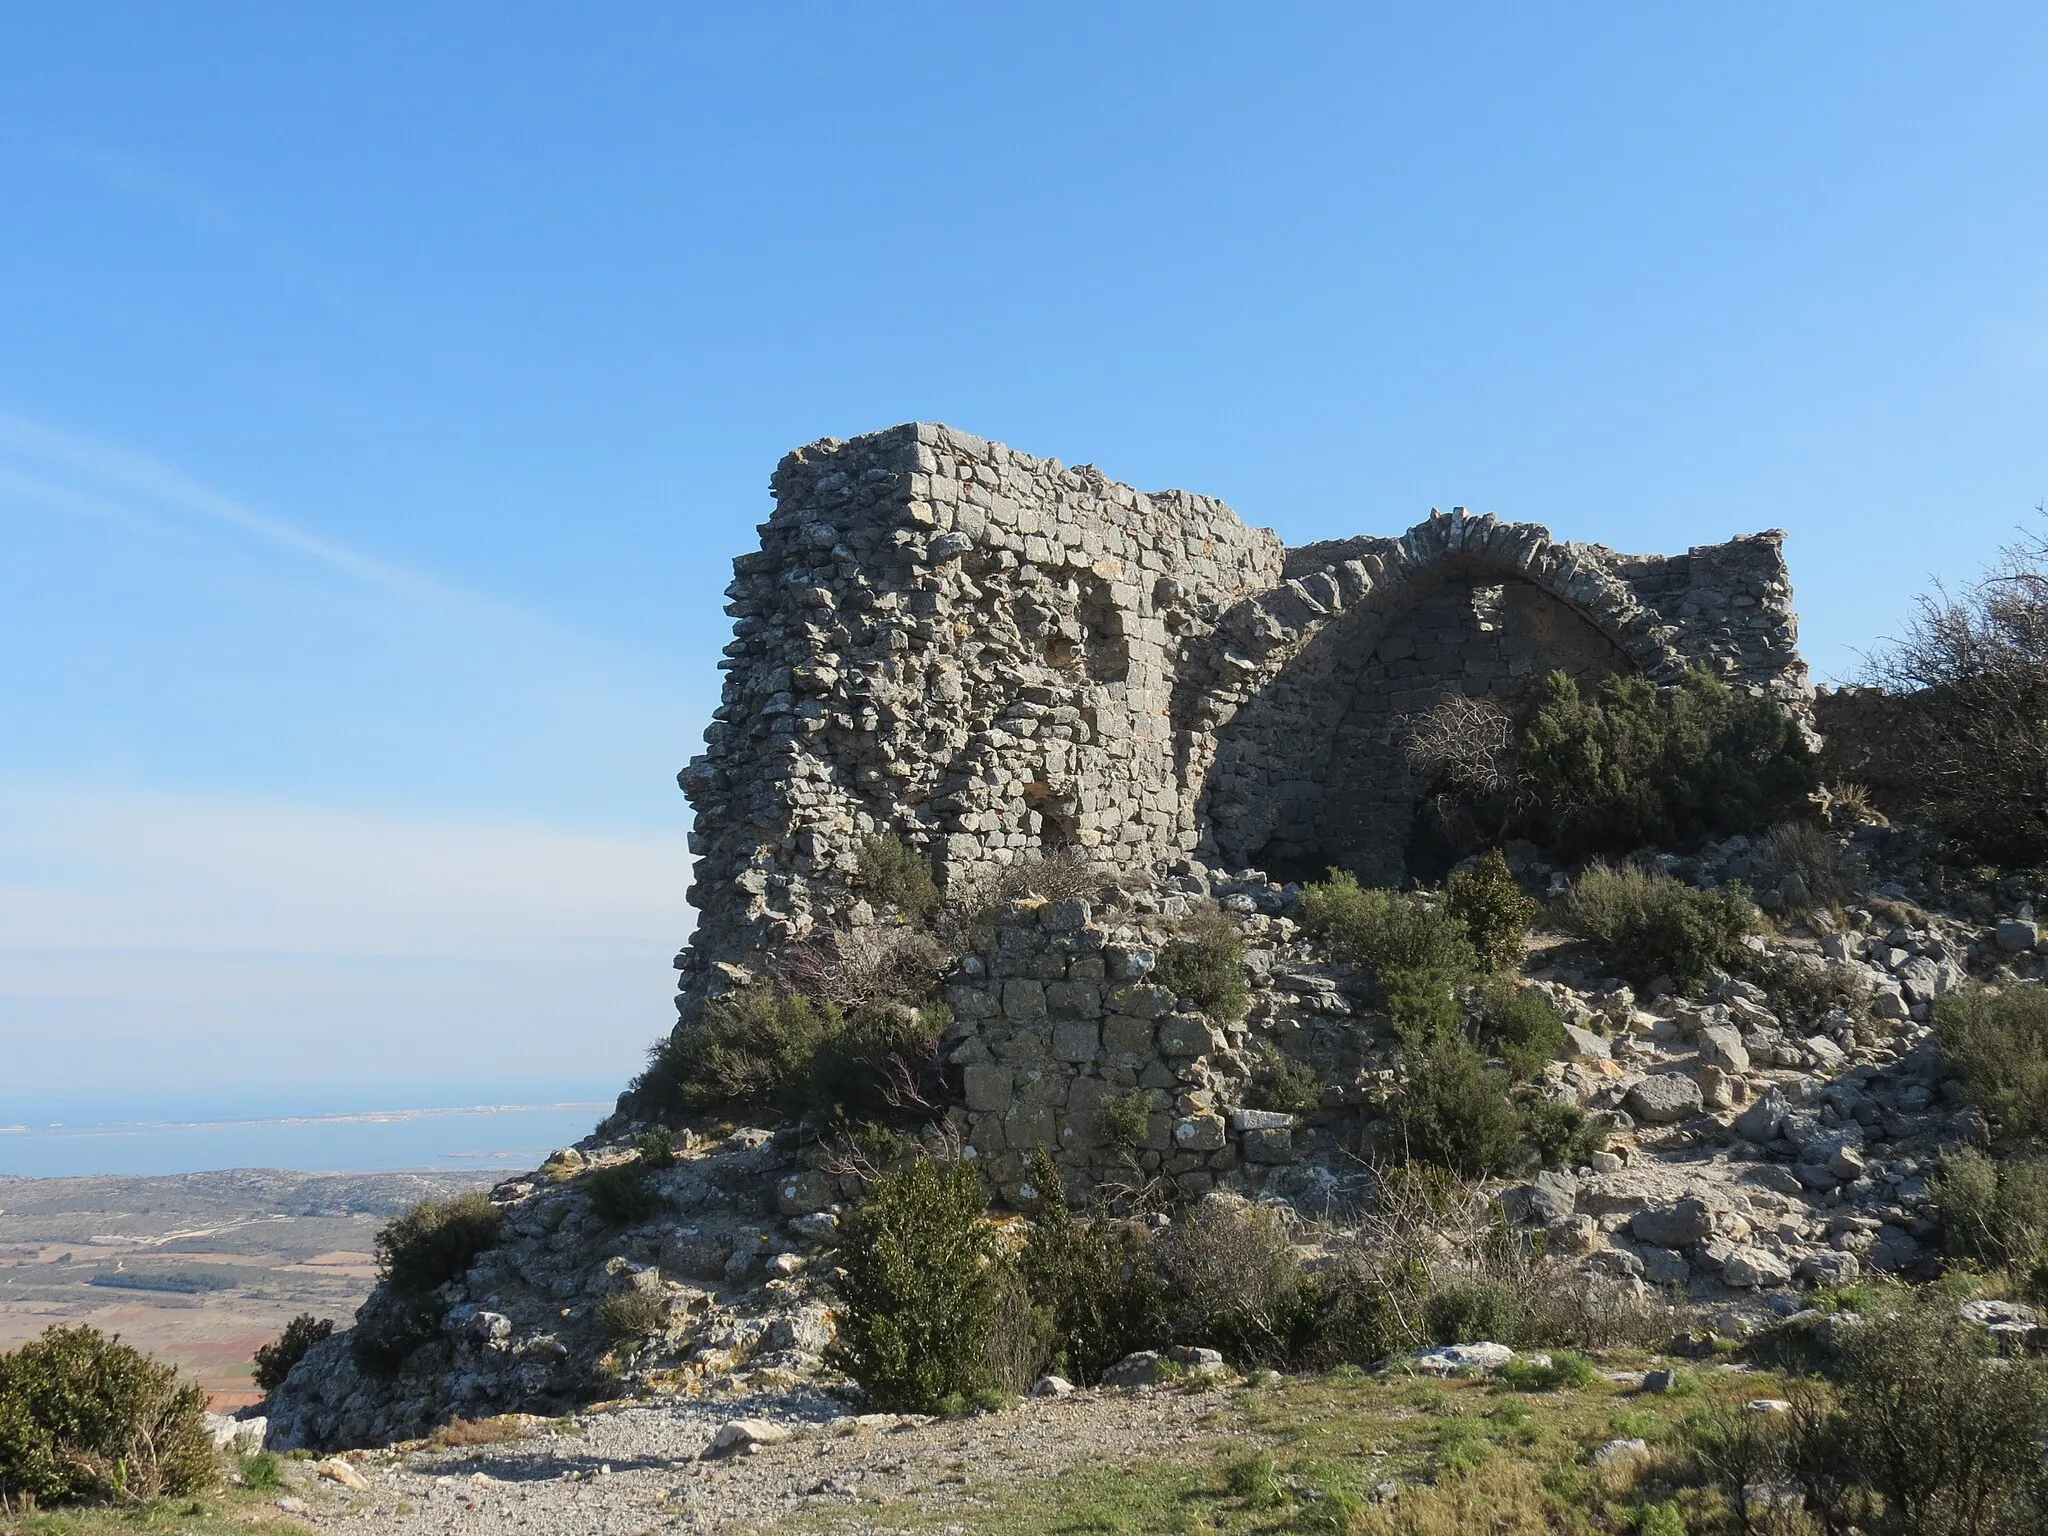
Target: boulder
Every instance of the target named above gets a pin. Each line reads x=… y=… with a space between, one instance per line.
x=1755 y=1267
x=1680 y=1224
x=744 y=1437
x=1457 y=1359
x=1142 y=1368
x=1721 y=1046
x=2014 y=935
x=1664 y=1099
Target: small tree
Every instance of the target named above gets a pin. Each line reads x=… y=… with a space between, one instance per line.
x=917 y=1288
x=1492 y=909
x=1969 y=734
x=274 y=1361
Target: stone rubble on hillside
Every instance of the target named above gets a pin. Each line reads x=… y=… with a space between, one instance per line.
x=1752 y=1153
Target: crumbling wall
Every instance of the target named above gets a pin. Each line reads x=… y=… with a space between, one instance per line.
x=958 y=644
x=988 y=655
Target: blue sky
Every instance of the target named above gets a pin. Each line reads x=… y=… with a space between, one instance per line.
x=383 y=391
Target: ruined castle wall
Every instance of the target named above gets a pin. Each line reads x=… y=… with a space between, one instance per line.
x=967 y=647
x=988 y=655
x=1306 y=690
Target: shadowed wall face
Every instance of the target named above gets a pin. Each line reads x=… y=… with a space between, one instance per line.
x=1476 y=634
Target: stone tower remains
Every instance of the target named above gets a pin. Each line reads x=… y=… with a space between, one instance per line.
x=986 y=654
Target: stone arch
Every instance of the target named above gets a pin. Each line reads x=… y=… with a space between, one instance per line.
x=1304 y=687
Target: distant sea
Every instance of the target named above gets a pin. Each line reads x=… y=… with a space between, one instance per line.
x=484 y=1138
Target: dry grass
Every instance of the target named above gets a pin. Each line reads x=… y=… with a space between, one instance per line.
x=458 y=1431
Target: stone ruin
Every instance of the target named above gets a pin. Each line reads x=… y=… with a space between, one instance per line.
x=990 y=656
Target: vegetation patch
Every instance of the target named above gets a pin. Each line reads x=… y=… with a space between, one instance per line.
x=435 y=1241
x=1204 y=966
x=85 y=1418
x=1648 y=926
x=1998 y=1043
x=274 y=1361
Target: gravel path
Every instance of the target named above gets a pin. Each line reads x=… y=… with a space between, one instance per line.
x=634 y=1470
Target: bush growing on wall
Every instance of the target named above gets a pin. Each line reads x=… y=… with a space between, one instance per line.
x=1488 y=903
x=1384 y=930
x=1638 y=766
x=1452 y=1110
x=84 y=1417
x=1204 y=965
x=763 y=1048
x=894 y=874
x=1518 y=1024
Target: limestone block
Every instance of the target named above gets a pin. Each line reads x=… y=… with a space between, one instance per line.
x=1076 y=1040
x=799 y=1194
x=1200 y=1133
x=1030 y=1125
x=1270 y=1144
x=1073 y=999
x=987 y=1086
x=1186 y=1034
x=1141 y=1001
x=1126 y=1036
x=1023 y=999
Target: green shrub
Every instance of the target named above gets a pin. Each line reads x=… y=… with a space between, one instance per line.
x=622 y=1196
x=1474 y=1312
x=1518 y=1025
x=746 y=1048
x=1091 y=1280
x=435 y=1241
x=917 y=1288
x=872 y=1064
x=1560 y=1135
x=1649 y=925
x=1998 y=1045
x=274 y=1361
x=762 y=1048
x=1451 y=1110
x=1806 y=990
x=1384 y=930
x=1422 y=1004
x=1567 y=1368
x=1125 y=1120
x=1947 y=1435
x=1231 y=1281
x=633 y=1314
x=1204 y=966
x=1993 y=1212
x=1282 y=1084
x=896 y=875
x=1488 y=903
x=85 y=1418
x=1638 y=766
x=260 y=1471
x=1255 y=1480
